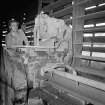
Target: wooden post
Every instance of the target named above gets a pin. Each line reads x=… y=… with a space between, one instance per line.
x=78 y=24
x=39 y=6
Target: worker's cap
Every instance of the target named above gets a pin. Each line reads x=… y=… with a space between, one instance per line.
x=13 y=21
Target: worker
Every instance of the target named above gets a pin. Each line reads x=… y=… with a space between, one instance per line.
x=16 y=37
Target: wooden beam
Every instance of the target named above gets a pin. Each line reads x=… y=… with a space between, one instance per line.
x=94 y=29
x=56 y=4
x=30 y=29
x=88 y=3
x=94 y=49
x=46 y=1
x=91 y=58
x=30 y=33
x=77 y=23
x=92 y=83
x=96 y=9
x=91 y=29
x=98 y=39
x=93 y=15
x=37 y=48
x=90 y=71
x=63 y=12
x=94 y=21
x=39 y=6
x=30 y=22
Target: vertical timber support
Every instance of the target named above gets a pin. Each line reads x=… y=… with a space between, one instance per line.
x=78 y=25
x=39 y=6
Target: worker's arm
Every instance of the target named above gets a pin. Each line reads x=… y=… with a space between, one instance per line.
x=8 y=41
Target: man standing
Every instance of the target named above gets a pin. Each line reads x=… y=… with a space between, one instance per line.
x=16 y=37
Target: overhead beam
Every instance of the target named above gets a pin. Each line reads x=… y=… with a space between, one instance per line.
x=92 y=15
x=63 y=12
x=96 y=9
x=46 y=1
x=55 y=5
x=88 y=3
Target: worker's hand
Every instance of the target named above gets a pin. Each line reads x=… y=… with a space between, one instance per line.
x=18 y=50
